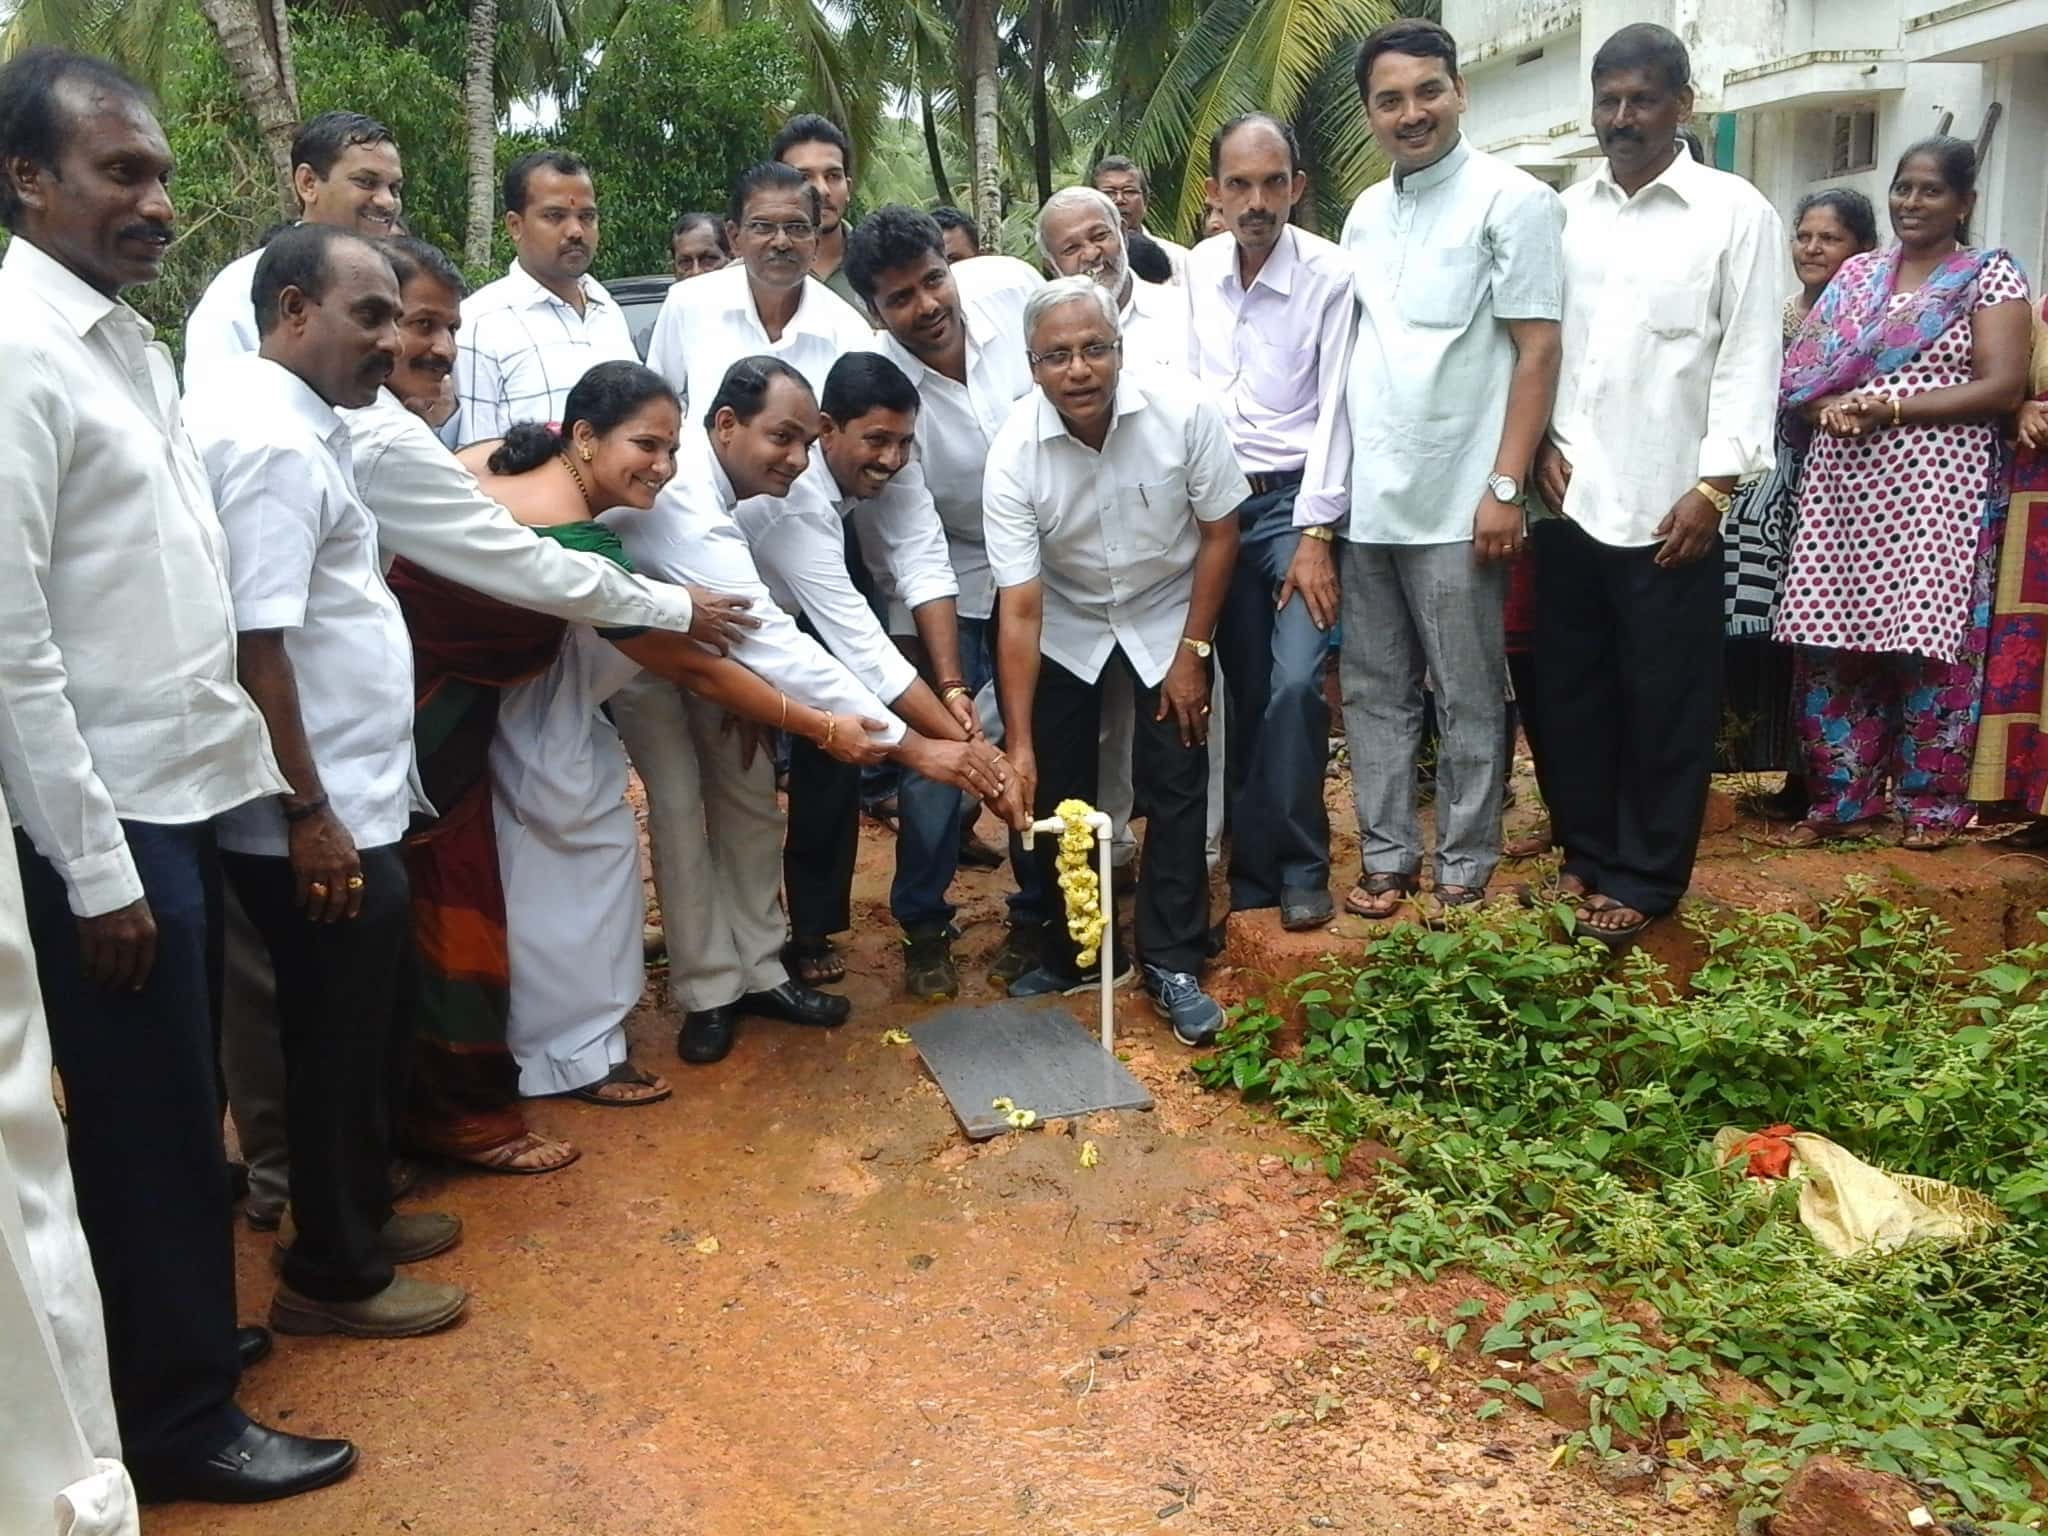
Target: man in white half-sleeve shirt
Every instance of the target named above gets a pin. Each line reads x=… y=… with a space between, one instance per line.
x=1110 y=496
x=766 y=304
x=957 y=332
x=1673 y=277
x=711 y=811
x=528 y=337
x=319 y=869
x=1080 y=234
x=123 y=733
x=1452 y=374
x=1273 y=321
x=346 y=173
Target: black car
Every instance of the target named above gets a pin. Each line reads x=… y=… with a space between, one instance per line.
x=639 y=299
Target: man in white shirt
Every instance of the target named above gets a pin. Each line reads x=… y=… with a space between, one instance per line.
x=1124 y=182
x=1272 y=316
x=1081 y=234
x=858 y=530
x=324 y=653
x=1673 y=277
x=123 y=733
x=765 y=304
x=957 y=332
x=1459 y=291
x=1110 y=497
x=711 y=810
x=531 y=335
x=345 y=172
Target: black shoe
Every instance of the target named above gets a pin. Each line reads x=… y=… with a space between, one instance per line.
x=257 y=1465
x=1022 y=944
x=929 y=974
x=975 y=854
x=795 y=1003
x=707 y=1036
x=1304 y=909
x=252 y=1344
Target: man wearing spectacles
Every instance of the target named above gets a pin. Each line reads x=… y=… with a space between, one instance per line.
x=1108 y=503
x=766 y=304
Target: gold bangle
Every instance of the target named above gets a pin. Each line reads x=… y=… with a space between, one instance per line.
x=1895 y=410
x=831 y=727
x=784 y=726
x=956 y=690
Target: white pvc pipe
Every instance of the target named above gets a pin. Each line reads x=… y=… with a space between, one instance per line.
x=1099 y=823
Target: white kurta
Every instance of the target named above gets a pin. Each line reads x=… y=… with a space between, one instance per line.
x=57 y=1471
x=569 y=860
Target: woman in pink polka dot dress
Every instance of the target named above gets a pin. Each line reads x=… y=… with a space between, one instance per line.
x=1909 y=367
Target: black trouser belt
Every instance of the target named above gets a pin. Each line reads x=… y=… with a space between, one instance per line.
x=1266 y=485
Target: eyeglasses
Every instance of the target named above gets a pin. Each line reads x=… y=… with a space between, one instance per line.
x=1060 y=357
x=796 y=229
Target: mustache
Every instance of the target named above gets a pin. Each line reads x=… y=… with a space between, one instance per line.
x=148 y=229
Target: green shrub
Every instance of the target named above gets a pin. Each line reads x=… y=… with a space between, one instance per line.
x=1550 y=1115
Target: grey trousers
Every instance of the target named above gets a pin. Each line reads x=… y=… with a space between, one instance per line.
x=252 y=1059
x=1413 y=611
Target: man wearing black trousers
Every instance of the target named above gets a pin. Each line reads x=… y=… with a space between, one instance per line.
x=123 y=733
x=1673 y=274
x=325 y=654
x=1109 y=499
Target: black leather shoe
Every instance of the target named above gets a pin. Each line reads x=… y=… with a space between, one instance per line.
x=795 y=1003
x=252 y=1344
x=707 y=1036
x=257 y=1465
x=1305 y=909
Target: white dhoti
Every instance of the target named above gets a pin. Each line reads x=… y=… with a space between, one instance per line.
x=717 y=835
x=569 y=861
x=59 y=1447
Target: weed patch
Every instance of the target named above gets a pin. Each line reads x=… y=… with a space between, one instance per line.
x=1549 y=1114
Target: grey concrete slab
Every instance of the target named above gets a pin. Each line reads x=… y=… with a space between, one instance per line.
x=1042 y=1059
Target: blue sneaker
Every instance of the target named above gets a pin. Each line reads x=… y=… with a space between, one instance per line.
x=1179 y=999
x=1044 y=981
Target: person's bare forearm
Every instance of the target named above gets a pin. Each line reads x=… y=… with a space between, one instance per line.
x=265 y=672
x=725 y=683
x=1532 y=390
x=938 y=628
x=919 y=708
x=1017 y=638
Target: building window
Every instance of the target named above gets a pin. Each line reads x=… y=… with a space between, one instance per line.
x=1852 y=142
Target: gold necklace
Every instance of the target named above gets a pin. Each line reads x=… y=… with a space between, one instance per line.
x=570 y=465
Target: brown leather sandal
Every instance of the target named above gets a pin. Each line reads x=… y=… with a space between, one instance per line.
x=1379 y=897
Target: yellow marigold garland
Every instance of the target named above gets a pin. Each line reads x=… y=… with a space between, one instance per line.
x=1079 y=884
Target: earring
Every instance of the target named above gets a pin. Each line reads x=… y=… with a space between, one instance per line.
x=585 y=452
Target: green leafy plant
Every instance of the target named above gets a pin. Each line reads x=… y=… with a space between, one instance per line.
x=1548 y=1114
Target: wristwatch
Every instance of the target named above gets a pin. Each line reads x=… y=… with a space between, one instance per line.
x=1201 y=648
x=1721 y=499
x=1505 y=490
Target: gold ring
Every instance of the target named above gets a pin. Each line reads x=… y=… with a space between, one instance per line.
x=355 y=882
x=1205 y=709
x=317 y=888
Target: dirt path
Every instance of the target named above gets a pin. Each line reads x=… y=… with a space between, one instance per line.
x=898 y=1333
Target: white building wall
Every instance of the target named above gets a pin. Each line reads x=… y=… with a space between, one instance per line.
x=1811 y=54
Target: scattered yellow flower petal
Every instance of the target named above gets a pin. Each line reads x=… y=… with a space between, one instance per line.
x=1089 y=1156
x=1023 y=1119
x=1001 y=1106
x=895 y=1037
x=707 y=1245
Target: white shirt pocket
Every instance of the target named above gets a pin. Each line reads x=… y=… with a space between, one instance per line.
x=1676 y=308
x=1442 y=287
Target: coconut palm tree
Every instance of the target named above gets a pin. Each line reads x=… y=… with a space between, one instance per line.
x=480 y=123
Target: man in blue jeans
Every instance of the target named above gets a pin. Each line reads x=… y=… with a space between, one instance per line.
x=1271 y=336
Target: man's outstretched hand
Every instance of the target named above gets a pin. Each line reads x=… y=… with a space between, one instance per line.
x=717 y=620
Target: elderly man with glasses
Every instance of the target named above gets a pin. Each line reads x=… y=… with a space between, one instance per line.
x=1108 y=500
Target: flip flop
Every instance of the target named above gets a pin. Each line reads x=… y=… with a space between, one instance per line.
x=624 y=1075
x=1613 y=938
x=814 y=962
x=501 y=1158
x=1374 y=890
